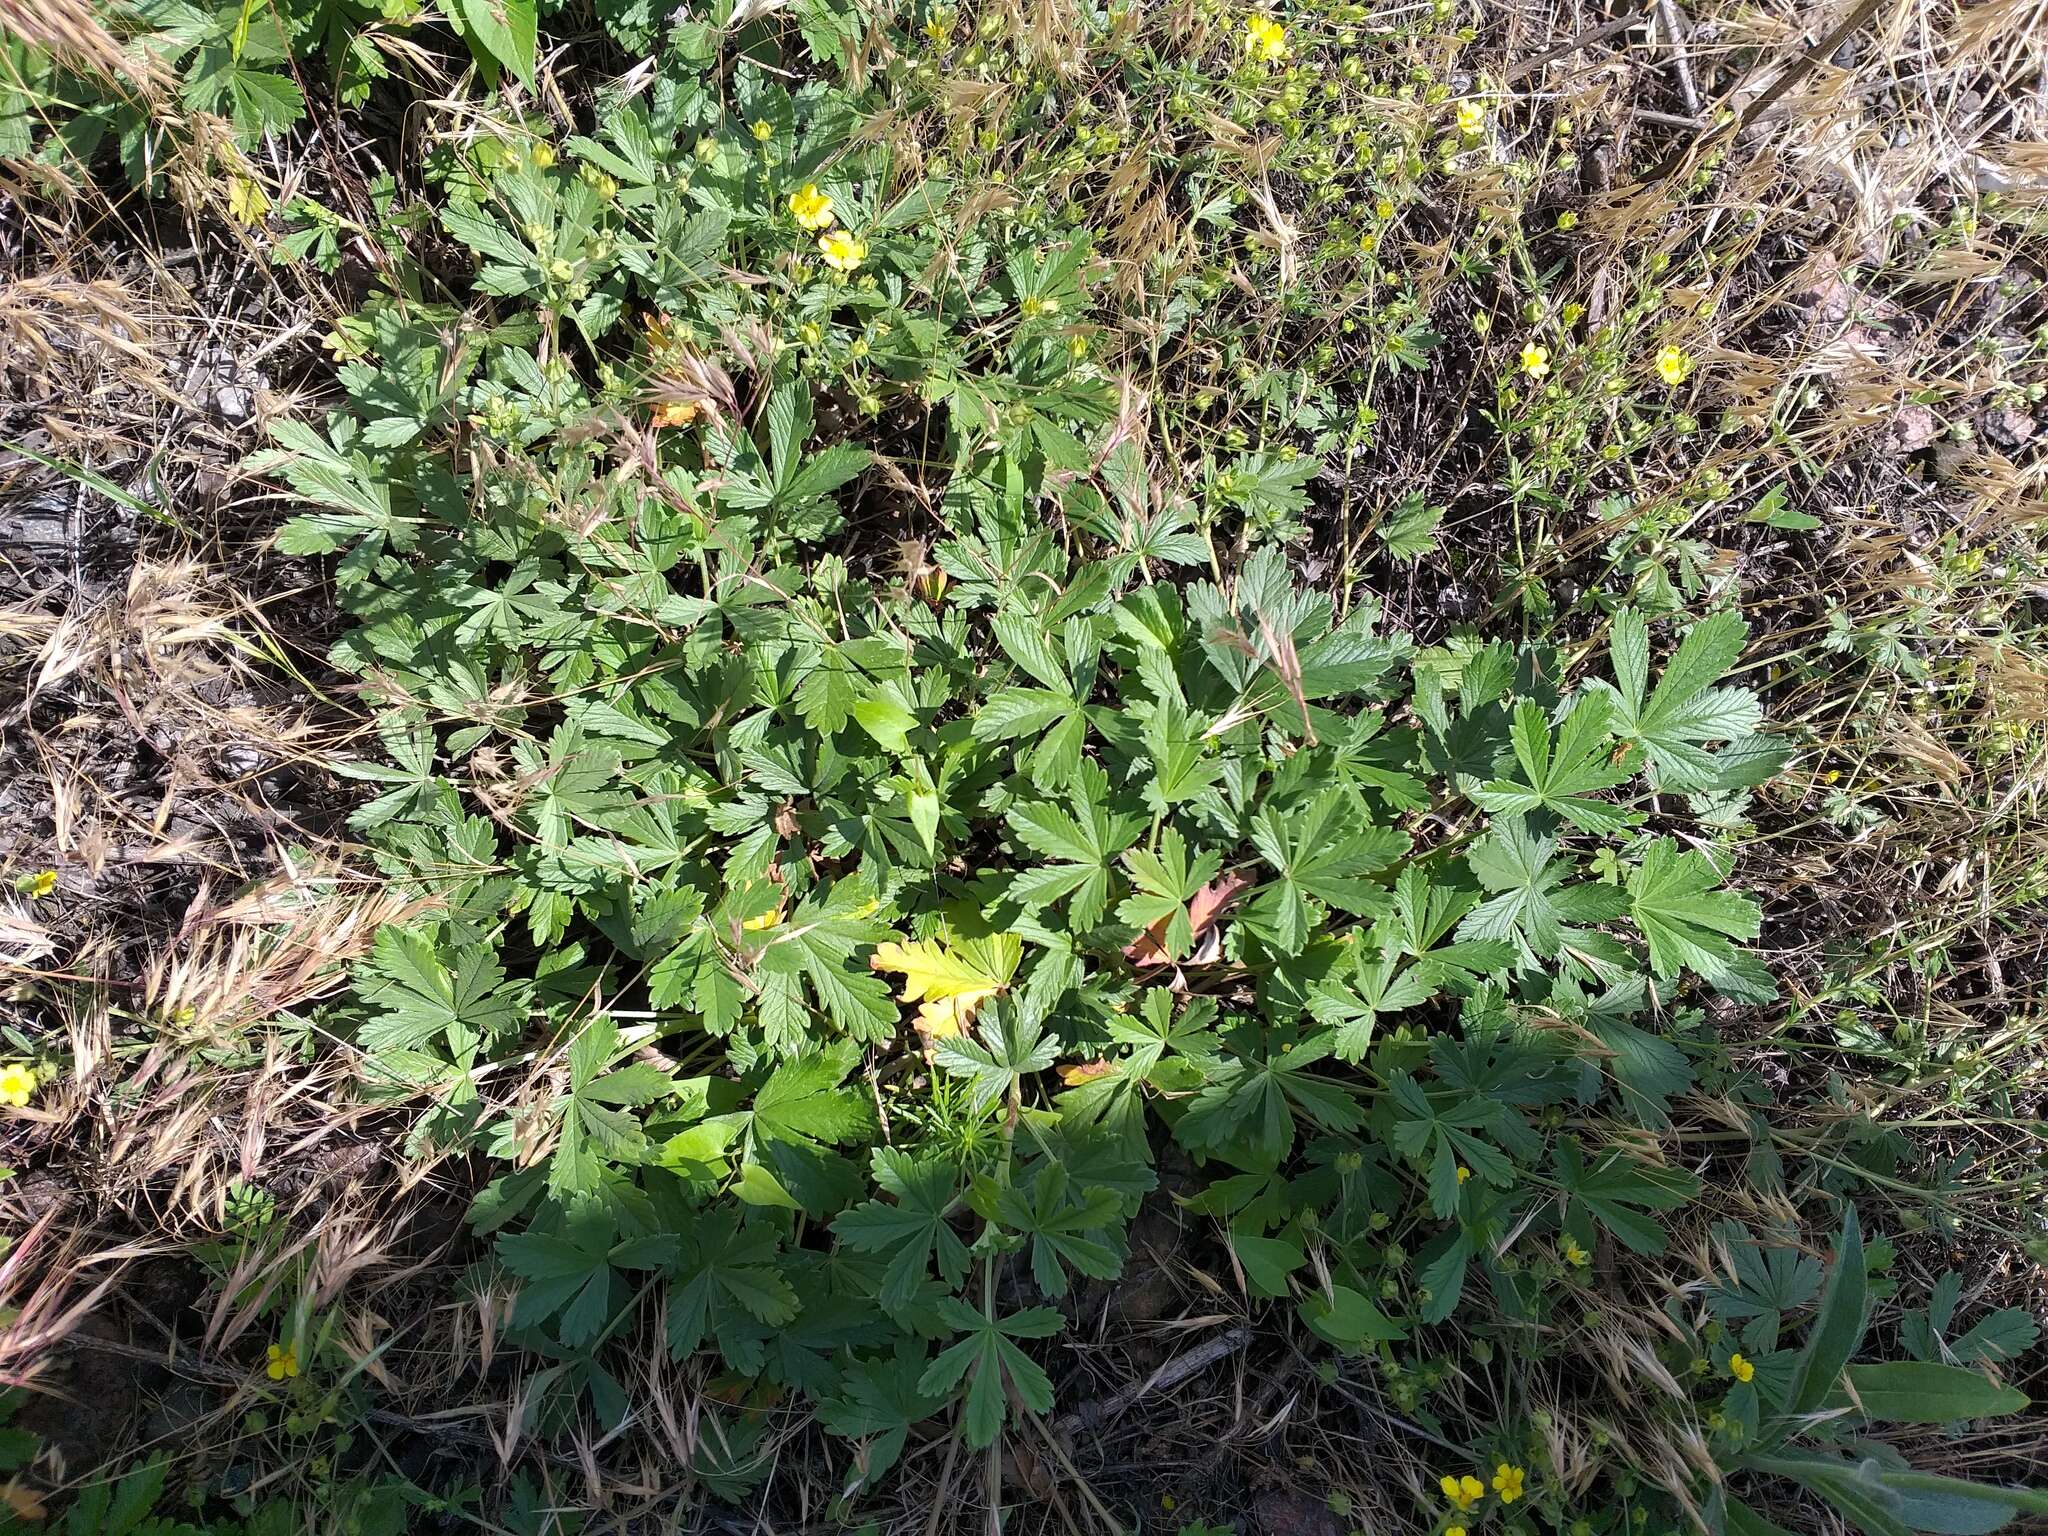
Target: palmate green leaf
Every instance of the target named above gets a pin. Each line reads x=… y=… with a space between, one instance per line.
x=800 y=1112
x=1770 y=1282
x=786 y=480
x=1926 y=1332
x=339 y=476
x=1647 y=1069
x=1324 y=851
x=1112 y=1095
x=1562 y=775
x=597 y=1126
x=1067 y=1228
x=826 y=696
x=1615 y=1190
x=1409 y=528
x=836 y=1313
x=1248 y=1107
x=879 y=1401
x=1676 y=900
x=1443 y=1140
x=1025 y=640
x=1377 y=983
x=816 y=945
x=726 y=1272
x=420 y=998
x=1085 y=839
x=1058 y=721
x=803 y=1100
x=1272 y=641
x=415 y=788
x=1167 y=880
x=989 y=1360
x=566 y=1268
x=1266 y=487
x=1012 y=1047
x=1163 y=1025
x=1362 y=752
x=1672 y=725
x=695 y=974
x=1183 y=765
x=1532 y=905
x=915 y=1230
x=1423 y=911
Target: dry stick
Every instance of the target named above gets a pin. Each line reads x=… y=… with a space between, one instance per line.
x=953 y=1440
x=1096 y=1507
x=1585 y=39
x=1798 y=70
x=1165 y=1379
x=1667 y=13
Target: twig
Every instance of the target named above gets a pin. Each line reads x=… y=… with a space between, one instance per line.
x=1585 y=39
x=1667 y=13
x=1165 y=1379
x=939 y=1505
x=1793 y=73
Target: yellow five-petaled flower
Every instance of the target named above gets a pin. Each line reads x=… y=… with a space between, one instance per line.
x=37 y=885
x=1673 y=365
x=1471 y=118
x=811 y=208
x=1507 y=1482
x=842 y=251
x=1740 y=1369
x=1265 y=39
x=281 y=1360
x=1535 y=360
x=1463 y=1492
x=17 y=1082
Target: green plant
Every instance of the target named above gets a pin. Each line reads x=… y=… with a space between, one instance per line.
x=135 y=1501
x=1805 y=1414
x=128 y=77
x=686 y=797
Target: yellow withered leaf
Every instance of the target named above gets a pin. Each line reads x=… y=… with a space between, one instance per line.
x=24 y=1502
x=949 y=980
x=1076 y=1073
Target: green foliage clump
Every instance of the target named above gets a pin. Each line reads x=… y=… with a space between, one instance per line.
x=822 y=950
x=686 y=799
